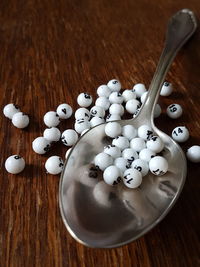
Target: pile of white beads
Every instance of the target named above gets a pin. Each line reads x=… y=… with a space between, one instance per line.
x=19 y=119
x=131 y=155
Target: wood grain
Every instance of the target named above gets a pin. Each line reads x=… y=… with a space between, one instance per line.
x=49 y=52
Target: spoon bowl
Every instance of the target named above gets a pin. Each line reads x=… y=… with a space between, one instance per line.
x=100 y=215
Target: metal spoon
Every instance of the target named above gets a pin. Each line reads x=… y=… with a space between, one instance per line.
x=99 y=215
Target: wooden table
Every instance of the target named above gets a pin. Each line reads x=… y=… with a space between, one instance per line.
x=49 y=52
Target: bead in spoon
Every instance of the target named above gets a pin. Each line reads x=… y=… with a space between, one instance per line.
x=99 y=215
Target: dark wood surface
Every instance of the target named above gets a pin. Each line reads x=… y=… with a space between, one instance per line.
x=49 y=52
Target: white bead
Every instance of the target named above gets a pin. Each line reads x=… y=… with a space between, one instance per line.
x=102 y=102
x=137 y=144
x=129 y=131
x=113 y=117
x=155 y=144
x=102 y=193
x=116 y=97
x=174 y=111
x=113 y=151
x=103 y=160
x=146 y=154
x=96 y=121
x=97 y=111
x=64 y=111
x=82 y=113
x=112 y=175
x=51 y=119
x=132 y=105
x=81 y=125
x=143 y=97
x=158 y=165
x=69 y=137
x=52 y=134
x=132 y=178
x=14 y=164
x=180 y=134
x=114 y=85
x=145 y=132
x=67 y=152
x=103 y=90
x=84 y=100
x=121 y=142
x=166 y=89
x=139 y=89
x=122 y=164
x=41 y=145
x=129 y=154
x=54 y=165
x=116 y=109
x=10 y=109
x=128 y=95
x=113 y=129
x=141 y=166
x=193 y=153
x=157 y=111
x=20 y=120
x=84 y=131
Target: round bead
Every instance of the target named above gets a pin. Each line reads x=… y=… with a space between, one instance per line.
x=113 y=151
x=166 y=89
x=116 y=97
x=10 y=109
x=116 y=109
x=81 y=125
x=132 y=178
x=129 y=154
x=155 y=144
x=146 y=154
x=129 y=131
x=84 y=100
x=97 y=111
x=112 y=175
x=180 y=134
x=174 y=111
x=193 y=154
x=143 y=97
x=14 y=164
x=69 y=137
x=157 y=111
x=51 y=119
x=113 y=129
x=41 y=145
x=102 y=102
x=139 y=89
x=114 y=85
x=141 y=166
x=132 y=105
x=137 y=144
x=82 y=113
x=122 y=164
x=54 y=165
x=96 y=121
x=103 y=194
x=145 y=132
x=52 y=134
x=128 y=95
x=103 y=90
x=113 y=117
x=121 y=142
x=67 y=152
x=20 y=120
x=103 y=160
x=64 y=111
x=158 y=165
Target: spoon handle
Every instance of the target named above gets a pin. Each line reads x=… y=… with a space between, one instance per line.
x=181 y=27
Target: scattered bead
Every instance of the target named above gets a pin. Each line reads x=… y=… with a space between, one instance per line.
x=14 y=164
x=102 y=102
x=155 y=144
x=132 y=105
x=116 y=97
x=129 y=131
x=146 y=154
x=116 y=109
x=41 y=145
x=103 y=90
x=145 y=132
x=69 y=137
x=174 y=111
x=54 y=165
x=51 y=119
x=113 y=151
x=10 y=110
x=121 y=142
x=52 y=134
x=114 y=85
x=141 y=166
x=84 y=100
x=96 y=121
x=158 y=165
x=113 y=129
x=103 y=160
x=139 y=89
x=82 y=113
x=166 y=89
x=193 y=153
x=180 y=134
x=81 y=125
x=113 y=117
x=20 y=120
x=137 y=144
x=132 y=178
x=112 y=175
x=128 y=95
x=64 y=111
x=97 y=111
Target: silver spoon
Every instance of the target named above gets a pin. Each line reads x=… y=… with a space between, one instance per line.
x=99 y=215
